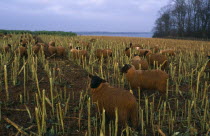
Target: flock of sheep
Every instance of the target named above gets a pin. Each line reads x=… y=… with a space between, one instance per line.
x=106 y=96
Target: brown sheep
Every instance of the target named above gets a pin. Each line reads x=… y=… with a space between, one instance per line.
x=127 y=52
x=155 y=49
x=78 y=54
x=110 y=98
x=6 y=49
x=142 y=52
x=22 y=51
x=146 y=79
x=36 y=48
x=138 y=63
x=52 y=50
x=158 y=59
x=61 y=51
x=51 y=43
x=168 y=52
x=103 y=52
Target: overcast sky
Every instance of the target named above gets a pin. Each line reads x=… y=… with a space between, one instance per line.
x=80 y=15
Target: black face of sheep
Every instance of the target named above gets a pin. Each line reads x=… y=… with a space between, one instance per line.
x=96 y=81
x=127 y=48
x=145 y=53
x=9 y=45
x=209 y=58
x=78 y=48
x=135 y=55
x=125 y=68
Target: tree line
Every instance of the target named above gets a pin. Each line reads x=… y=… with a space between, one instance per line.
x=184 y=18
x=38 y=32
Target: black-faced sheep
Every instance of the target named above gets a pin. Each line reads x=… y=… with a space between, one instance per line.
x=127 y=51
x=110 y=98
x=145 y=79
x=142 y=52
x=157 y=58
x=139 y=63
x=78 y=53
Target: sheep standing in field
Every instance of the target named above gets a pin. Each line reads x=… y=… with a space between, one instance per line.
x=155 y=49
x=110 y=98
x=36 y=48
x=127 y=52
x=168 y=52
x=158 y=59
x=142 y=52
x=51 y=43
x=139 y=63
x=135 y=46
x=22 y=51
x=105 y=53
x=6 y=49
x=78 y=53
x=146 y=79
x=61 y=51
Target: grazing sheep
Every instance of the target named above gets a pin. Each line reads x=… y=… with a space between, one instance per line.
x=127 y=51
x=110 y=98
x=138 y=63
x=168 y=52
x=61 y=51
x=103 y=52
x=145 y=79
x=158 y=59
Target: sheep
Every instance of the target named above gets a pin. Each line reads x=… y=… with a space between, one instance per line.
x=127 y=51
x=145 y=79
x=22 y=51
x=61 y=51
x=138 y=63
x=135 y=46
x=168 y=52
x=142 y=52
x=158 y=59
x=110 y=98
x=36 y=48
x=155 y=49
x=78 y=53
x=51 y=43
x=103 y=52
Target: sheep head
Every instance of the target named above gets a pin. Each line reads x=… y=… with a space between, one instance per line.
x=127 y=48
x=125 y=68
x=209 y=58
x=96 y=81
